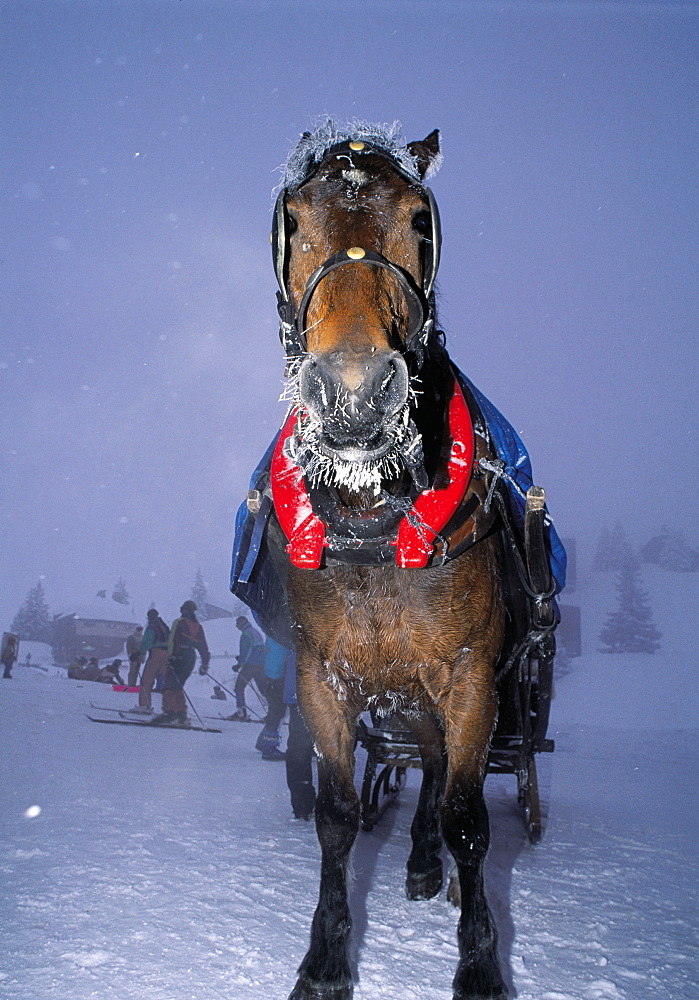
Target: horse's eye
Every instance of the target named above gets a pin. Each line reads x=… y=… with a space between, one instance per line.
x=291 y=224
x=422 y=223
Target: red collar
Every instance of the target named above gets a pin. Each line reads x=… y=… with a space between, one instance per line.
x=417 y=530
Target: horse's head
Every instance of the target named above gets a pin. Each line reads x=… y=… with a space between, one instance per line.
x=356 y=246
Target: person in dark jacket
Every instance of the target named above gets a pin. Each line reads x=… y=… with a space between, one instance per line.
x=251 y=666
x=186 y=640
x=110 y=674
x=136 y=657
x=92 y=670
x=9 y=656
x=154 y=645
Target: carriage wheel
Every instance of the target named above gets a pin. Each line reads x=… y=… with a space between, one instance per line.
x=529 y=797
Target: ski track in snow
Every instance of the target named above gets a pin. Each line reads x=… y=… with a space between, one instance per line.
x=164 y=865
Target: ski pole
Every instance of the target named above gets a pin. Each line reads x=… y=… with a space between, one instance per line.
x=222 y=686
x=262 y=700
x=232 y=693
x=191 y=703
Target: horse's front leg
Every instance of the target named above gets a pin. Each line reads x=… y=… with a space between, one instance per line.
x=469 y=722
x=424 y=879
x=324 y=973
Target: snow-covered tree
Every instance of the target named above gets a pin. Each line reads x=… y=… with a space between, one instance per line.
x=677 y=554
x=120 y=593
x=630 y=628
x=613 y=549
x=200 y=596
x=33 y=620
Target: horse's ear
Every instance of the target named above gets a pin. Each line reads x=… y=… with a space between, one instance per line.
x=427 y=153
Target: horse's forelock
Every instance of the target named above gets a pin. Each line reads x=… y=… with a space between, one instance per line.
x=312 y=148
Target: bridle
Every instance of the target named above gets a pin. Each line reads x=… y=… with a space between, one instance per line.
x=420 y=300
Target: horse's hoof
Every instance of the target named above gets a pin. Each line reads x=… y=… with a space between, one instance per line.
x=306 y=990
x=489 y=995
x=423 y=885
x=480 y=983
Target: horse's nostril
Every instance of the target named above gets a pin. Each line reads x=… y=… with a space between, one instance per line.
x=341 y=389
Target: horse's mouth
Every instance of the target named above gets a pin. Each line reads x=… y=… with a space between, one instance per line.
x=395 y=448
x=359 y=452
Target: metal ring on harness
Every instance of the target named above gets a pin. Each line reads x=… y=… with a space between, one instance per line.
x=419 y=527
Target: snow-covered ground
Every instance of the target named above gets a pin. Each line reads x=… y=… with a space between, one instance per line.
x=165 y=865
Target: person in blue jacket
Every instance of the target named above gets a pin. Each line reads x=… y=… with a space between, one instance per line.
x=275 y=665
x=250 y=666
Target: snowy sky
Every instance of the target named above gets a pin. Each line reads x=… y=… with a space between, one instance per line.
x=139 y=359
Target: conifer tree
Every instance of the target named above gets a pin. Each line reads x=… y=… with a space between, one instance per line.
x=33 y=620
x=678 y=555
x=630 y=629
x=200 y=596
x=613 y=549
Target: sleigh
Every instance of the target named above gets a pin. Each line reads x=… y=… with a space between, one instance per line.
x=525 y=682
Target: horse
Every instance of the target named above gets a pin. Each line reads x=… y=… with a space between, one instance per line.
x=394 y=565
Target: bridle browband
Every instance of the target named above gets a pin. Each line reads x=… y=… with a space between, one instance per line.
x=420 y=300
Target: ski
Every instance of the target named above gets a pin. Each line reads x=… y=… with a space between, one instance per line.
x=146 y=718
x=228 y=718
x=122 y=721
x=111 y=708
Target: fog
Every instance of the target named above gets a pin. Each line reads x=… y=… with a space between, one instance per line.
x=139 y=361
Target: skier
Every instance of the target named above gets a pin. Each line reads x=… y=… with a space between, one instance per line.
x=110 y=674
x=268 y=741
x=186 y=639
x=136 y=657
x=92 y=670
x=9 y=656
x=76 y=670
x=154 y=645
x=251 y=660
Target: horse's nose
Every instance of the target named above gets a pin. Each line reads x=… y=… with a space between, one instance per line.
x=354 y=395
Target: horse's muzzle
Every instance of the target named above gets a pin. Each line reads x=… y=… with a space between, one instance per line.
x=357 y=399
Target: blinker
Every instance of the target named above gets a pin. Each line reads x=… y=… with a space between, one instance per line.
x=291 y=329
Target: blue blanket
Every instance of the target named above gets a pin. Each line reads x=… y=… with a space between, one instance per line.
x=255 y=577
x=510 y=448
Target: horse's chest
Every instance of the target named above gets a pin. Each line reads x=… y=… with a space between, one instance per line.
x=380 y=637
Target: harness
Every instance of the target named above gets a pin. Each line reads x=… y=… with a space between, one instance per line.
x=420 y=300
x=411 y=532
x=481 y=459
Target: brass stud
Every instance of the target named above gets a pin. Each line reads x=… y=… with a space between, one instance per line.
x=356 y=253
x=356 y=145
x=271 y=238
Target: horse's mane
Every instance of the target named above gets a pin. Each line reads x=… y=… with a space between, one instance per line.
x=313 y=146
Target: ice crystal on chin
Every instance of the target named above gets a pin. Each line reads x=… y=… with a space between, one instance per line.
x=355 y=475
